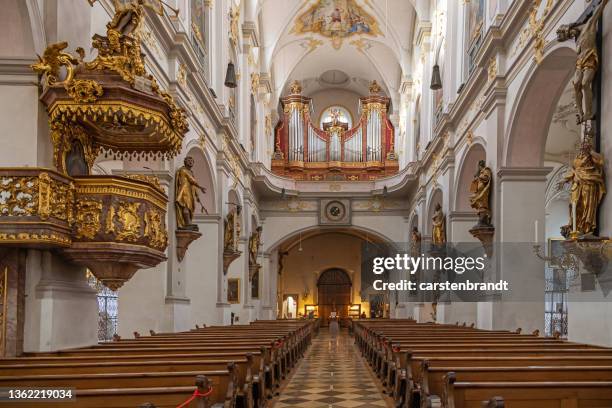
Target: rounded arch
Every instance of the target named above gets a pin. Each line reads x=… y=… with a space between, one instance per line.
x=532 y=111
x=436 y=197
x=294 y=236
x=204 y=175
x=334 y=276
x=334 y=287
x=467 y=167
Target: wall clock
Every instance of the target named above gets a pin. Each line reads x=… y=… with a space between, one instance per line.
x=335 y=212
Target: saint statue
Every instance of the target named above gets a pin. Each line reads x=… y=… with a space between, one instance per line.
x=587 y=190
x=186 y=194
x=481 y=193
x=232 y=229
x=584 y=34
x=438 y=233
x=415 y=244
x=254 y=242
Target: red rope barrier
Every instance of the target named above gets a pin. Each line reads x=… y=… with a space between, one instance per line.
x=195 y=395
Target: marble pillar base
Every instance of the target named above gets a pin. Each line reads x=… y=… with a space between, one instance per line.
x=61 y=308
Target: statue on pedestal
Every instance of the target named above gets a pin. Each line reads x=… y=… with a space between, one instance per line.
x=186 y=194
x=254 y=242
x=587 y=190
x=415 y=244
x=584 y=34
x=480 y=190
x=232 y=229
x=438 y=232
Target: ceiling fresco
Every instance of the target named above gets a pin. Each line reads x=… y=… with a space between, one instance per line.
x=336 y=20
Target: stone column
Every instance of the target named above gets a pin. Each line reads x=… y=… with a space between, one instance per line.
x=452 y=312
x=60 y=307
x=12 y=301
x=403 y=306
x=589 y=311
x=223 y=308
x=521 y=203
x=248 y=229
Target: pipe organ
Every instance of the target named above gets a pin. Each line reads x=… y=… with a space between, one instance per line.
x=303 y=151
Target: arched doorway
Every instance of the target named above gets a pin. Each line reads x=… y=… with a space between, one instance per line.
x=334 y=293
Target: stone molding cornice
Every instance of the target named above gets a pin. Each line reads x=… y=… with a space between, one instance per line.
x=423 y=33
x=249 y=32
x=207 y=218
x=177 y=300
x=523 y=174
x=462 y=216
x=17 y=71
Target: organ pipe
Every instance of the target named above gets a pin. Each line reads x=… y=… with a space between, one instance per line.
x=365 y=142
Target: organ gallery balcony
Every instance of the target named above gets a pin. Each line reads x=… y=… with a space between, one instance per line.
x=364 y=152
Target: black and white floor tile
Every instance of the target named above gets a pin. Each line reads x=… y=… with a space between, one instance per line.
x=332 y=375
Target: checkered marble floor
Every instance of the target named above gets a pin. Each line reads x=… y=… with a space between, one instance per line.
x=333 y=374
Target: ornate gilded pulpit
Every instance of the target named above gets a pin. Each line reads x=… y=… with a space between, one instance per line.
x=113 y=225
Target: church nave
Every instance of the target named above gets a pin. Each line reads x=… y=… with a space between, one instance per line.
x=332 y=374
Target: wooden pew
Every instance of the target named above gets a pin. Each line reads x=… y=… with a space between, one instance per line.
x=414 y=361
x=432 y=384
x=591 y=394
x=240 y=367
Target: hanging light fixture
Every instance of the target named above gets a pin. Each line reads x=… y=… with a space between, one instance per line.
x=436 y=79
x=230 y=76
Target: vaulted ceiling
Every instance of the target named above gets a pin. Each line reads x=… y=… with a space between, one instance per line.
x=364 y=40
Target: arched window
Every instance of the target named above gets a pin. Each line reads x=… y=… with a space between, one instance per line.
x=339 y=113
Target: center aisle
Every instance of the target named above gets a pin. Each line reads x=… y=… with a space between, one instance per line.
x=332 y=374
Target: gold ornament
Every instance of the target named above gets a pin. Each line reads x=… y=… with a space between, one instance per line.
x=295 y=88
x=88 y=218
x=155 y=230
x=254 y=83
x=130 y=221
x=374 y=88
x=234 y=17
x=52 y=60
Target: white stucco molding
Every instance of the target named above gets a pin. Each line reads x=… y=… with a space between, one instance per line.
x=17 y=71
x=526 y=174
x=270 y=184
x=462 y=216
